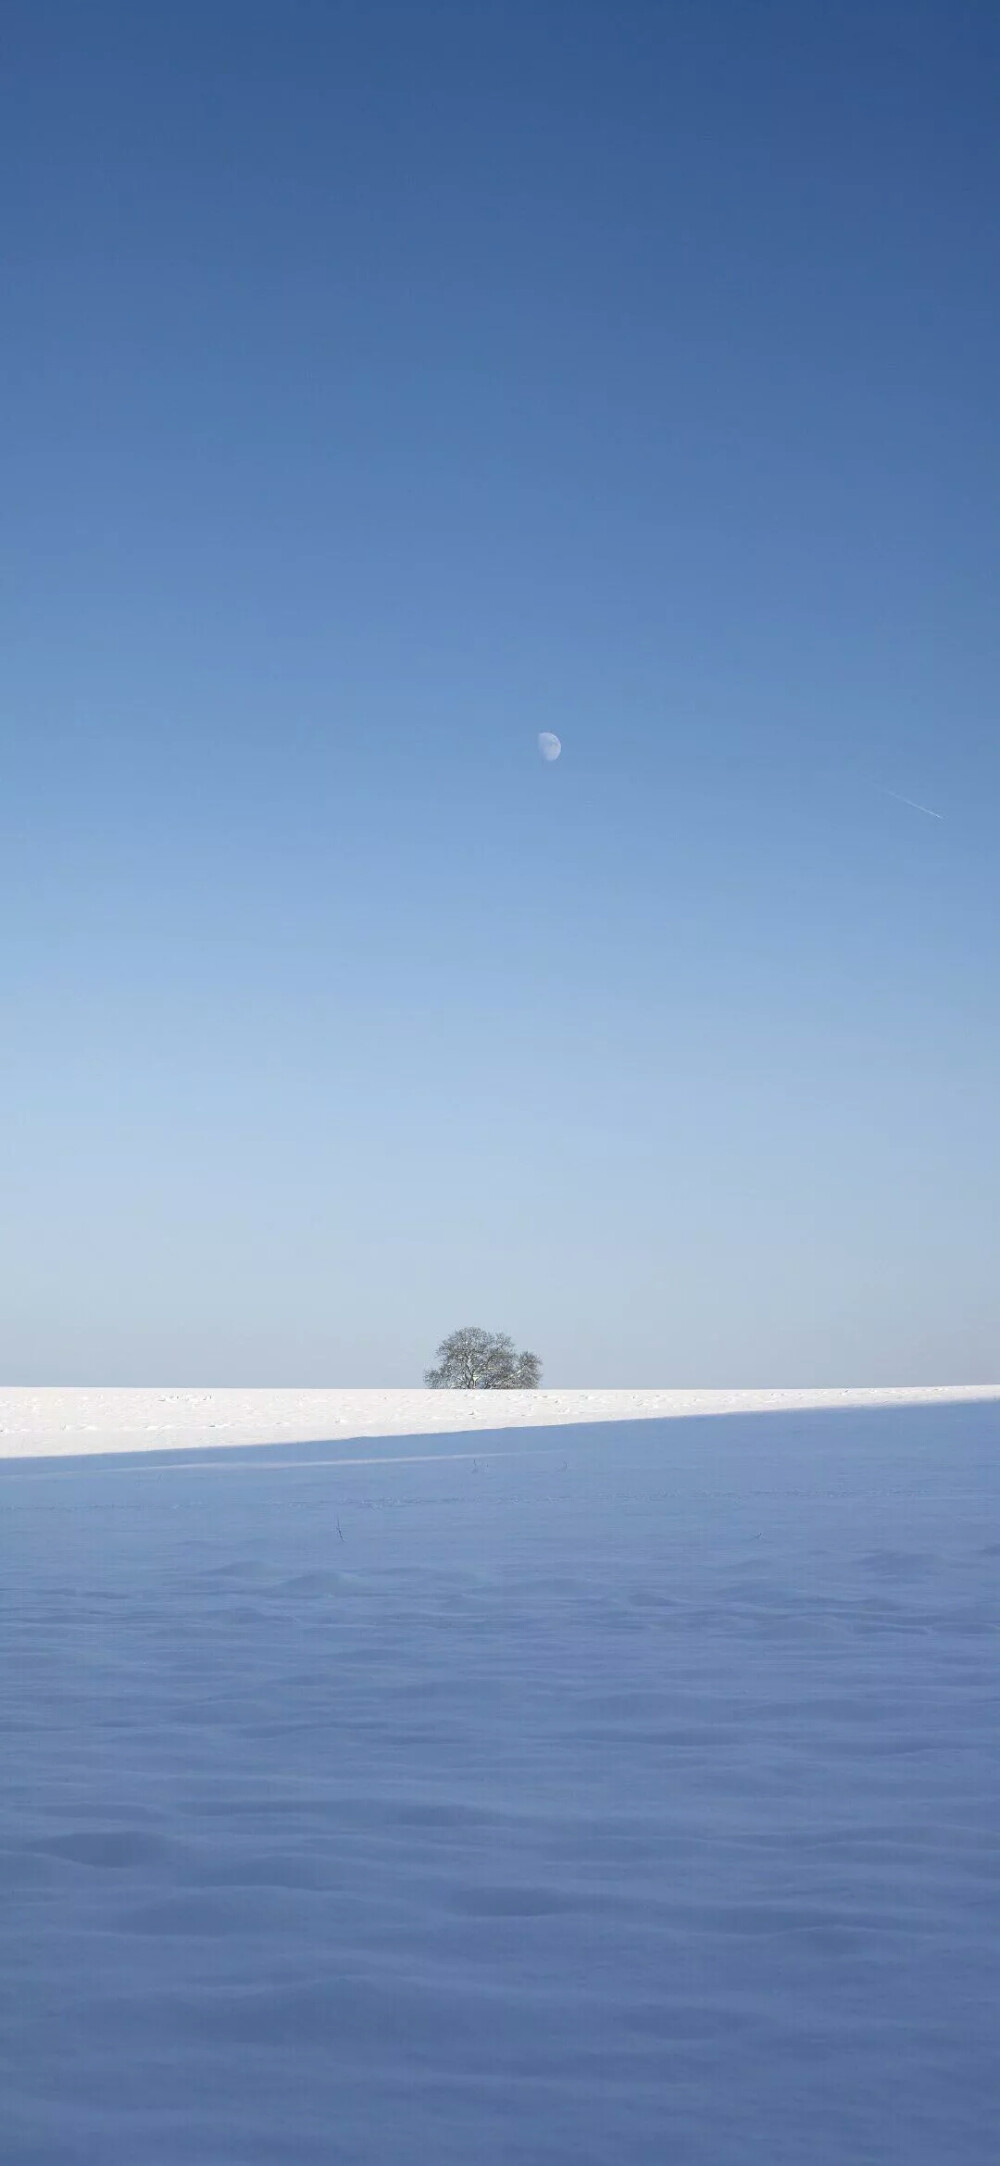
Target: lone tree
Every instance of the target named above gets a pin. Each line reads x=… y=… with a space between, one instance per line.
x=474 y=1360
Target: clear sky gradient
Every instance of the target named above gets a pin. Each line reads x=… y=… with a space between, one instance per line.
x=383 y=384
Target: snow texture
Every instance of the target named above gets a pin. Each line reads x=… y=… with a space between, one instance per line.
x=619 y=1796
x=54 y=1419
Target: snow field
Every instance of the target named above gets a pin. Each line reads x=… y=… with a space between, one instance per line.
x=625 y=1794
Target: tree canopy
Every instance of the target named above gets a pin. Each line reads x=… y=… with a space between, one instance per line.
x=475 y=1360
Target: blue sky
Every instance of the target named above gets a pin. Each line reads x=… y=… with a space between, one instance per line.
x=384 y=384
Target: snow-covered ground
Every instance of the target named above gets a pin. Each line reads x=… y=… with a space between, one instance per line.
x=625 y=1796
x=89 y=1420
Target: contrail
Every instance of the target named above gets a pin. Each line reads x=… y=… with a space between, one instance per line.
x=912 y=802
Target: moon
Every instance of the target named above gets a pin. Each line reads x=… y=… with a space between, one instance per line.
x=549 y=745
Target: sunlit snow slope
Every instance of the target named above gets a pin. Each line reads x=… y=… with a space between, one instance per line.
x=58 y=1420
